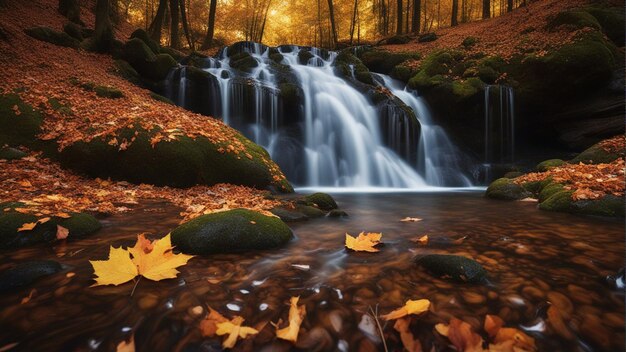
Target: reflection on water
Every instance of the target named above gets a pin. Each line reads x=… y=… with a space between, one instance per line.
x=532 y=257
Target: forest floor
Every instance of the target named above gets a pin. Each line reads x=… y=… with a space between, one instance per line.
x=41 y=71
x=520 y=31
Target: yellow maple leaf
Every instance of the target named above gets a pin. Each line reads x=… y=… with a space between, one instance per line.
x=208 y=326
x=234 y=330
x=410 y=307
x=364 y=242
x=296 y=315
x=152 y=260
x=27 y=226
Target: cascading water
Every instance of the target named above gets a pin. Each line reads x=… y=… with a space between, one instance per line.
x=321 y=127
x=499 y=124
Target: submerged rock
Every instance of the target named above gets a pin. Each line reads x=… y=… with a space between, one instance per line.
x=309 y=211
x=504 y=188
x=337 y=213
x=322 y=201
x=26 y=273
x=231 y=231
x=455 y=267
x=288 y=215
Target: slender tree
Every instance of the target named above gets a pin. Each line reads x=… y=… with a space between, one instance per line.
x=174 y=22
x=183 y=16
x=208 y=39
x=417 y=8
x=353 y=22
x=486 y=9
x=509 y=5
x=267 y=10
x=455 y=13
x=70 y=9
x=333 y=27
x=103 y=34
x=399 y=18
x=157 y=23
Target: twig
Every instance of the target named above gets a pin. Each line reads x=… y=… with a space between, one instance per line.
x=380 y=329
x=134 y=287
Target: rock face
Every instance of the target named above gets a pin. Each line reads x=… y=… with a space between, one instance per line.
x=231 y=231
x=26 y=273
x=455 y=267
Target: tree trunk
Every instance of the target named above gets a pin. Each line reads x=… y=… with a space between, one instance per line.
x=486 y=9
x=399 y=18
x=174 y=21
x=353 y=23
x=183 y=16
x=208 y=40
x=509 y=5
x=319 y=21
x=157 y=23
x=417 y=8
x=267 y=10
x=333 y=28
x=103 y=34
x=71 y=10
x=455 y=13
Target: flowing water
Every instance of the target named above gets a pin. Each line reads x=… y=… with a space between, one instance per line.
x=532 y=258
x=336 y=136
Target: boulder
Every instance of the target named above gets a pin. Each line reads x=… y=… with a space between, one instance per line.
x=322 y=201
x=144 y=37
x=454 y=267
x=26 y=273
x=595 y=155
x=74 y=30
x=382 y=61
x=549 y=164
x=288 y=215
x=348 y=65
x=504 y=188
x=231 y=231
x=609 y=205
x=18 y=126
x=309 y=211
x=108 y=92
x=8 y=153
x=49 y=35
x=427 y=37
x=337 y=213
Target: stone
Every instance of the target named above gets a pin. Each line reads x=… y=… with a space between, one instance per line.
x=322 y=201
x=457 y=268
x=26 y=273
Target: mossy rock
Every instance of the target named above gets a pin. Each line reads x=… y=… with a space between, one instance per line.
x=611 y=19
x=288 y=215
x=183 y=162
x=504 y=188
x=243 y=62
x=25 y=273
x=558 y=201
x=346 y=63
x=467 y=88
x=159 y=69
x=322 y=200
x=550 y=190
x=595 y=155
x=8 y=153
x=304 y=56
x=144 y=37
x=337 y=213
x=126 y=71
x=469 y=42
x=402 y=73
x=60 y=107
x=79 y=225
x=231 y=231
x=161 y=98
x=454 y=267
x=172 y=52
x=49 y=35
x=549 y=164
x=74 y=30
x=309 y=211
x=382 y=61
x=141 y=58
x=398 y=39
x=609 y=205
x=427 y=37
x=108 y=92
x=576 y=19
x=513 y=174
x=18 y=126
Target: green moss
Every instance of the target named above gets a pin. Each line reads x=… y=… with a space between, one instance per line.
x=558 y=201
x=402 y=73
x=159 y=69
x=172 y=52
x=504 y=188
x=161 y=98
x=51 y=36
x=454 y=267
x=549 y=164
x=60 y=107
x=80 y=224
x=550 y=190
x=7 y=153
x=469 y=42
x=608 y=205
x=322 y=200
x=576 y=19
x=595 y=155
x=144 y=37
x=231 y=231
x=309 y=211
x=513 y=174
x=467 y=88
x=108 y=92
x=126 y=71
x=346 y=63
x=18 y=126
x=384 y=61
x=611 y=20
x=137 y=53
x=243 y=62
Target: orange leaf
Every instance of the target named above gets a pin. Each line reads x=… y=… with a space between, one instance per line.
x=234 y=330
x=520 y=340
x=127 y=346
x=208 y=326
x=27 y=226
x=62 y=232
x=365 y=242
x=296 y=315
x=406 y=336
x=410 y=307
x=493 y=323
x=461 y=335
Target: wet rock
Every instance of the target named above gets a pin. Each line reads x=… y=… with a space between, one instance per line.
x=51 y=36
x=309 y=211
x=231 y=231
x=549 y=164
x=504 y=188
x=337 y=213
x=455 y=267
x=11 y=153
x=550 y=190
x=322 y=201
x=562 y=201
x=26 y=273
x=287 y=215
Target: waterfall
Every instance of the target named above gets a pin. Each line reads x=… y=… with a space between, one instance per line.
x=323 y=128
x=499 y=125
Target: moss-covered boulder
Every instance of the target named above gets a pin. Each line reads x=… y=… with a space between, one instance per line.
x=25 y=273
x=454 y=267
x=108 y=92
x=596 y=154
x=322 y=200
x=576 y=19
x=183 y=162
x=289 y=215
x=49 y=35
x=382 y=61
x=504 y=188
x=20 y=123
x=337 y=213
x=469 y=42
x=123 y=69
x=398 y=39
x=310 y=211
x=243 y=62
x=611 y=19
x=427 y=37
x=74 y=30
x=348 y=65
x=177 y=55
x=136 y=52
x=562 y=201
x=79 y=225
x=154 y=67
x=8 y=153
x=144 y=37
x=161 y=98
x=231 y=231
x=513 y=174
x=550 y=190
x=549 y=164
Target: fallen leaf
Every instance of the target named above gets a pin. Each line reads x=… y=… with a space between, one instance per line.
x=461 y=335
x=423 y=240
x=406 y=336
x=208 y=326
x=521 y=341
x=43 y=220
x=118 y=269
x=29 y=297
x=415 y=307
x=492 y=325
x=27 y=226
x=409 y=219
x=364 y=242
x=127 y=346
x=62 y=232
x=234 y=330
x=555 y=319
x=296 y=315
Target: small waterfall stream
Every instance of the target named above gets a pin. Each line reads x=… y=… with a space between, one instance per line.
x=499 y=124
x=334 y=135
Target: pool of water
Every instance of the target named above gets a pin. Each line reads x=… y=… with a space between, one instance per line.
x=533 y=257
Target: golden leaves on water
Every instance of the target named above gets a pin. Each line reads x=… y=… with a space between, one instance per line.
x=364 y=242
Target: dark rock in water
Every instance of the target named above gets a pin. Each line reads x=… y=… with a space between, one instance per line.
x=504 y=188
x=455 y=267
x=51 y=36
x=26 y=273
x=11 y=153
x=428 y=37
x=337 y=213
x=322 y=201
x=287 y=215
x=231 y=231
x=309 y=211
